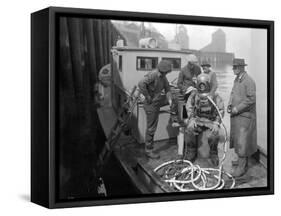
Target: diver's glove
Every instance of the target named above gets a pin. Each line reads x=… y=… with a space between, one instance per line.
x=215 y=128
x=192 y=124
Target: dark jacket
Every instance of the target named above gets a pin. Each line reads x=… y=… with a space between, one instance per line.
x=185 y=77
x=243 y=132
x=152 y=85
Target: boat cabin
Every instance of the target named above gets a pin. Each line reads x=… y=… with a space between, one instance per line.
x=132 y=64
x=129 y=66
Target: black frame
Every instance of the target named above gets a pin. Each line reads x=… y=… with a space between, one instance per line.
x=43 y=103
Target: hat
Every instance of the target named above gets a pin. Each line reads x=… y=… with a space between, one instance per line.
x=164 y=66
x=239 y=62
x=205 y=63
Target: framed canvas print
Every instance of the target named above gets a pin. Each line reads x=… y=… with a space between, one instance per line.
x=137 y=107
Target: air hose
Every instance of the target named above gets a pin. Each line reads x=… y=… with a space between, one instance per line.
x=183 y=175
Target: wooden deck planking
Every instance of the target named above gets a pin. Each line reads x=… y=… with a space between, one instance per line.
x=133 y=153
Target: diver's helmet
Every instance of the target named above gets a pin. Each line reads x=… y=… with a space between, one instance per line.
x=203 y=84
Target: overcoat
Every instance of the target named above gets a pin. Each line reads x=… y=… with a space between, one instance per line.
x=243 y=129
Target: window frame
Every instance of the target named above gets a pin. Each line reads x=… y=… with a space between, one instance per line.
x=146 y=57
x=172 y=58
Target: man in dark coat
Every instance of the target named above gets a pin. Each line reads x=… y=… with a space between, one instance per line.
x=151 y=86
x=242 y=108
x=186 y=83
x=188 y=74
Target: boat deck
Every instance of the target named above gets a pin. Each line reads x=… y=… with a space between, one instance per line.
x=132 y=155
x=140 y=168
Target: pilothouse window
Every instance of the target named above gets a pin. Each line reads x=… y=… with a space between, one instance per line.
x=176 y=62
x=120 y=63
x=147 y=63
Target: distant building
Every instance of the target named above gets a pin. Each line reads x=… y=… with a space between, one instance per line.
x=216 y=59
x=218 y=43
x=182 y=37
x=133 y=33
x=215 y=52
x=130 y=32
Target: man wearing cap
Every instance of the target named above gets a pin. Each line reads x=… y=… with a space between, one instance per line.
x=188 y=74
x=187 y=81
x=242 y=109
x=151 y=86
x=206 y=66
x=186 y=84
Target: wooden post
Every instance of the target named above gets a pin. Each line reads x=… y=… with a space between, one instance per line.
x=104 y=41
x=76 y=59
x=91 y=57
x=100 y=40
x=66 y=78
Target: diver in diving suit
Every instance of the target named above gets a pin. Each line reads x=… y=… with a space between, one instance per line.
x=203 y=119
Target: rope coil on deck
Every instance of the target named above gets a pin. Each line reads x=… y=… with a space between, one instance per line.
x=184 y=176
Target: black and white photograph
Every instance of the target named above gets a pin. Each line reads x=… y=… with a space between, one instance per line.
x=159 y=108
x=137 y=108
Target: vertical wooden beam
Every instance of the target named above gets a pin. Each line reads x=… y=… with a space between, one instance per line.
x=66 y=78
x=76 y=56
x=91 y=50
x=100 y=48
x=109 y=41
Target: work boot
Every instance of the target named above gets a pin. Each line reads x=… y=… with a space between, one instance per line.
x=214 y=160
x=151 y=154
x=241 y=168
x=190 y=155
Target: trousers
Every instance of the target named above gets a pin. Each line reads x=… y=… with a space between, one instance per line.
x=152 y=115
x=195 y=142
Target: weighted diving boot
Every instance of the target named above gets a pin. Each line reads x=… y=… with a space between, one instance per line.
x=214 y=159
x=241 y=168
x=190 y=155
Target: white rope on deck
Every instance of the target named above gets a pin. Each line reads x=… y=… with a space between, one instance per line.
x=184 y=176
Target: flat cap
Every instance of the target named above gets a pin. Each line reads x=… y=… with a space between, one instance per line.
x=164 y=66
x=205 y=63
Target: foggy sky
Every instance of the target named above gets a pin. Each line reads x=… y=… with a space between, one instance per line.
x=238 y=40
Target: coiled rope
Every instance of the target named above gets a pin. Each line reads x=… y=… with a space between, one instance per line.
x=183 y=175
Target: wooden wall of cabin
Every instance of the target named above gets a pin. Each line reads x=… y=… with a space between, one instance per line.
x=84 y=47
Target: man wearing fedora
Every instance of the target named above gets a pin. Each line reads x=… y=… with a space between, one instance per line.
x=242 y=109
x=151 y=86
x=206 y=66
